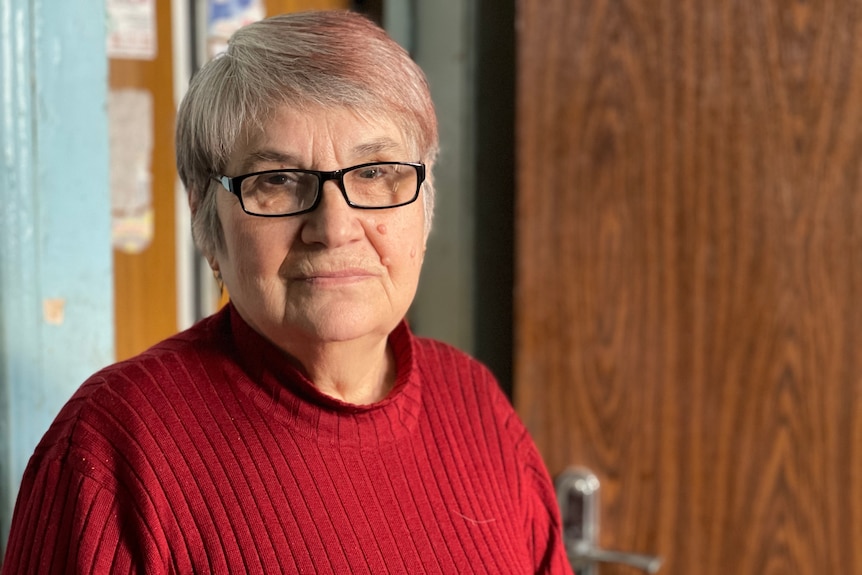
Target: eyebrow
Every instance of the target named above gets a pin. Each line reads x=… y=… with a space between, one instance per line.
x=267 y=156
x=376 y=146
x=363 y=149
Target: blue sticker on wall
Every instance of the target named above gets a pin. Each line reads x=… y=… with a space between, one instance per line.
x=224 y=17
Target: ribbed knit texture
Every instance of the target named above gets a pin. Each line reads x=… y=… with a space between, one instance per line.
x=211 y=453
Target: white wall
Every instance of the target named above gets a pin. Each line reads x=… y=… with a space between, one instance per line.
x=439 y=36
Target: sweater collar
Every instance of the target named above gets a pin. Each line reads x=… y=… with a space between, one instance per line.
x=281 y=390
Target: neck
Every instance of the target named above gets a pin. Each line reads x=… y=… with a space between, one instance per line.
x=356 y=372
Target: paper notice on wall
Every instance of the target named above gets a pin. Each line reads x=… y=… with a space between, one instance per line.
x=132 y=29
x=130 y=123
x=224 y=17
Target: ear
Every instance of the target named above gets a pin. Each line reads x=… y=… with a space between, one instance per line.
x=213 y=263
x=195 y=200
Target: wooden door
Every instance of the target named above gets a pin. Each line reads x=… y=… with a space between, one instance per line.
x=688 y=300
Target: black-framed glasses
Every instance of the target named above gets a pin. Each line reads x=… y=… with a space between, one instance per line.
x=289 y=192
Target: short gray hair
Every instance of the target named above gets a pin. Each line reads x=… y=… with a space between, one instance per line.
x=329 y=59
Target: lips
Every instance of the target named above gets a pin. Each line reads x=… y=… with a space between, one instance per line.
x=334 y=276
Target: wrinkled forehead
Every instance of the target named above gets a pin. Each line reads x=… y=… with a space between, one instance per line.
x=302 y=136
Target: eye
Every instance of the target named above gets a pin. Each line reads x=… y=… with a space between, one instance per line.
x=278 y=192
x=374 y=172
x=278 y=179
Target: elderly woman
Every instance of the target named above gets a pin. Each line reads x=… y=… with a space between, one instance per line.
x=302 y=428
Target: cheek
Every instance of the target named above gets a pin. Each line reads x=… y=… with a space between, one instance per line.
x=250 y=250
x=400 y=245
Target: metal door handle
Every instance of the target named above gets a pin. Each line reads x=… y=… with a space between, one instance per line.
x=578 y=498
x=582 y=553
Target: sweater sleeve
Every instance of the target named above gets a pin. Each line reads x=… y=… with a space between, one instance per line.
x=543 y=525
x=65 y=521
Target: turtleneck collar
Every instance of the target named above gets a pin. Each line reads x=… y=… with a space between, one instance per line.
x=284 y=393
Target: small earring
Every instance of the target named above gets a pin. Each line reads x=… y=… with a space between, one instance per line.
x=219 y=281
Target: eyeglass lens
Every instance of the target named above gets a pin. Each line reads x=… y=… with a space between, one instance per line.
x=291 y=191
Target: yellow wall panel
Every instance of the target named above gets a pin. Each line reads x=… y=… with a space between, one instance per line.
x=145 y=299
x=274 y=7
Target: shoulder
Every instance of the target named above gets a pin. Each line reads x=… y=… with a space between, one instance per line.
x=457 y=379
x=166 y=364
x=436 y=358
x=463 y=394
x=122 y=406
x=443 y=367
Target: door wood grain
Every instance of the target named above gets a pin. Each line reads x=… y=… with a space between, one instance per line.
x=688 y=301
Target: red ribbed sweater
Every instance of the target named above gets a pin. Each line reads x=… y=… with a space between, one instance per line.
x=210 y=453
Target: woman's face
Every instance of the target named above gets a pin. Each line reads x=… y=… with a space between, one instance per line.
x=337 y=273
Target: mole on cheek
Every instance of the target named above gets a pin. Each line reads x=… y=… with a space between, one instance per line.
x=381 y=228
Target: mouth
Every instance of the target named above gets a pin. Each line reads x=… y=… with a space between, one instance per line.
x=334 y=277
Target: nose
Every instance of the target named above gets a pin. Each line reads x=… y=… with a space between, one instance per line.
x=333 y=222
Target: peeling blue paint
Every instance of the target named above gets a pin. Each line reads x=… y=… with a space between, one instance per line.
x=54 y=219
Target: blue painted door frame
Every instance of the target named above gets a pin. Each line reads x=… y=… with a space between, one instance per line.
x=56 y=278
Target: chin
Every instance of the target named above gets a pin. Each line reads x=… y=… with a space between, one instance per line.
x=346 y=324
